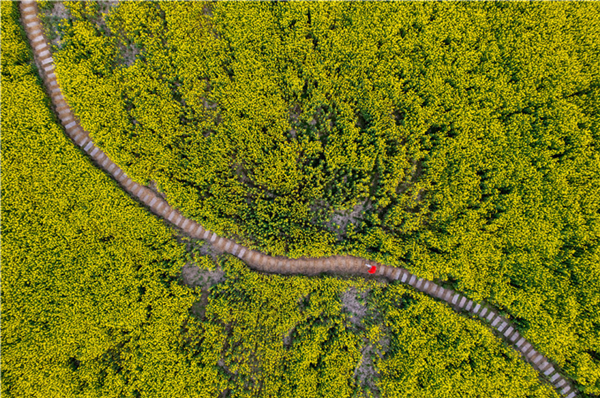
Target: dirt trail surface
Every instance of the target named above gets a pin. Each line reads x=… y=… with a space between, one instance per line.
x=256 y=260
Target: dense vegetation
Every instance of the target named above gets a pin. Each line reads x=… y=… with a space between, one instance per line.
x=463 y=137
x=87 y=274
x=421 y=365
x=292 y=337
x=93 y=303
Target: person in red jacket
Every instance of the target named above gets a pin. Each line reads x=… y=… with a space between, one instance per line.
x=372 y=268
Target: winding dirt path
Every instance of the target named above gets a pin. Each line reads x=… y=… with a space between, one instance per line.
x=256 y=260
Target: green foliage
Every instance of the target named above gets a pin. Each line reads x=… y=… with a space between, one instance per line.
x=288 y=337
x=466 y=132
x=89 y=303
x=251 y=316
x=434 y=353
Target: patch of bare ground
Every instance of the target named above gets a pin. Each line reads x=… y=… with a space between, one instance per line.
x=192 y=276
x=287 y=338
x=365 y=373
x=104 y=8
x=353 y=303
x=209 y=104
x=51 y=18
x=128 y=54
x=60 y=11
x=211 y=109
x=352 y=216
x=128 y=51
x=337 y=221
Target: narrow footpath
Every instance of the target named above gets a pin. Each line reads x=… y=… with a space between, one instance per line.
x=259 y=261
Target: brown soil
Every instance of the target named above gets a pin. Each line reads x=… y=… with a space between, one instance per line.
x=193 y=277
